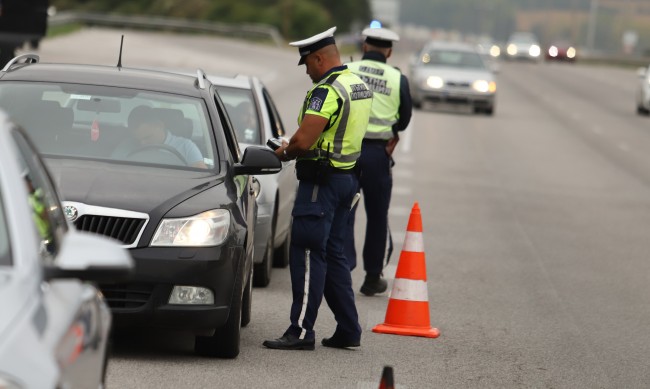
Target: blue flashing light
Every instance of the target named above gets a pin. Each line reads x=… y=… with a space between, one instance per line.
x=375 y=24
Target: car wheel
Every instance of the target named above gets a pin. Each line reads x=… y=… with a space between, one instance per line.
x=489 y=111
x=641 y=110
x=225 y=341
x=417 y=104
x=281 y=256
x=247 y=301
x=262 y=273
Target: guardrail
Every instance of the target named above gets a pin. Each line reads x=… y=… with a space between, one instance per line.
x=257 y=31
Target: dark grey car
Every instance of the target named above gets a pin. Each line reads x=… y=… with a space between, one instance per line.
x=188 y=221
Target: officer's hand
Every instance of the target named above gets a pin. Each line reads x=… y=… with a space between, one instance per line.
x=390 y=145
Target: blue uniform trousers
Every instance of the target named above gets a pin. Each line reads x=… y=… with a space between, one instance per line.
x=376 y=182
x=317 y=265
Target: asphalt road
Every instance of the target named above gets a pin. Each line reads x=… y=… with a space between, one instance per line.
x=535 y=223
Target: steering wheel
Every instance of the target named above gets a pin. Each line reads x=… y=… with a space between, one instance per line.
x=159 y=147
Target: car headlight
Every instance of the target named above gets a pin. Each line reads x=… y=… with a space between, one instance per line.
x=534 y=51
x=495 y=51
x=435 y=82
x=571 y=52
x=552 y=51
x=511 y=49
x=484 y=86
x=205 y=229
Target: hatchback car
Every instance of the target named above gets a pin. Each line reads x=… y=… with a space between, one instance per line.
x=452 y=73
x=150 y=158
x=643 y=91
x=523 y=46
x=256 y=120
x=54 y=325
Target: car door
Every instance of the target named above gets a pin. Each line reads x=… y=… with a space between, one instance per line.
x=74 y=319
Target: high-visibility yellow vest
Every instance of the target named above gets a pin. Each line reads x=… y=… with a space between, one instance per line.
x=341 y=141
x=384 y=81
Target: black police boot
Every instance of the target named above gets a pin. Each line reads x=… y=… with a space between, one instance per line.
x=290 y=342
x=373 y=284
x=338 y=342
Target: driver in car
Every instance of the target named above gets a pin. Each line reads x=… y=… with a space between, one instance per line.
x=149 y=131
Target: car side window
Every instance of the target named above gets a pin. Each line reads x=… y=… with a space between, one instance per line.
x=46 y=210
x=5 y=247
x=276 y=122
x=229 y=134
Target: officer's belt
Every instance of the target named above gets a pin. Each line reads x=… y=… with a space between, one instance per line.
x=382 y=122
x=338 y=157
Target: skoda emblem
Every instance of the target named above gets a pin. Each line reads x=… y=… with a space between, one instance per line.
x=70 y=212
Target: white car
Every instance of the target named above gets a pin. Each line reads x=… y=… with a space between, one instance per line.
x=643 y=91
x=453 y=74
x=54 y=326
x=256 y=120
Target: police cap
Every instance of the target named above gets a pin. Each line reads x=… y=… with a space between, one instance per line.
x=313 y=44
x=380 y=37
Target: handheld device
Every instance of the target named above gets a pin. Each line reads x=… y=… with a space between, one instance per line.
x=274 y=143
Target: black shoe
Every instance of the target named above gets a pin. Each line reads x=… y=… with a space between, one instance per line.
x=336 y=342
x=289 y=342
x=373 y=284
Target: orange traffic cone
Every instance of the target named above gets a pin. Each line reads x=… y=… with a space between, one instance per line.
x=408 y=305
x=387 y=380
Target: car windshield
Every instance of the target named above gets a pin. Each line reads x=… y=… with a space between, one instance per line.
x=240 y=105
x=453 y=58
x=522 y=38
x=5 y=253
x=117 y=124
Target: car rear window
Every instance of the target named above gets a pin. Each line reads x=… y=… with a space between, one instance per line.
x=97 y=122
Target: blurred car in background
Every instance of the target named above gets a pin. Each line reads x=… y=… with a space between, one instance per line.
x=643 y=91
x=54 y=325
x=452 y=73
x=256 y=119
x=150 y=158
x=523 y=46
x=561 y=51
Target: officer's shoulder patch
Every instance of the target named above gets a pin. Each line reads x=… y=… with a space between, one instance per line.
x=318 y=97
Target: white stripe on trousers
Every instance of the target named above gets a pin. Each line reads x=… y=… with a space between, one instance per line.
x=305 y=296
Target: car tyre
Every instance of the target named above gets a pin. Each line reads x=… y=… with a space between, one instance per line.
x=262 y=271
x=489 y=111
x=225 y=341
x=642 y=111
x=281 y=256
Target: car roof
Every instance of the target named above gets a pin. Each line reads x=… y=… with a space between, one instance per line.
x=236 y=81
x=133 y=78
x=456 y=46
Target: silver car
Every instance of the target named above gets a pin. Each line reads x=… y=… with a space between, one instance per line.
x=54 y=326
x=643 y=91
x=523 y=45
x=255 y=120
x=452 y=73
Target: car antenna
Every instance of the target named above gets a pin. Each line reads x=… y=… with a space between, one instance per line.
x=119 y=60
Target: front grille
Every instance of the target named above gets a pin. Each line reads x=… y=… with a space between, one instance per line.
x=458 y=84
x=126 y=295
x=124 y=229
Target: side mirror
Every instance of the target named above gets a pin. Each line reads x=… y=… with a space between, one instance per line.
x=90 y=257
x=258 y=160
x=641 y=72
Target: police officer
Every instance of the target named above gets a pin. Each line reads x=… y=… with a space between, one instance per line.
x=327 y=143
x=391 y=113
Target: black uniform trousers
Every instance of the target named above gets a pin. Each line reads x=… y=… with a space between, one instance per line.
x=376 y=183
x=318 y=266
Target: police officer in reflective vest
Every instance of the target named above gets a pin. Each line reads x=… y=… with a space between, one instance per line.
x=391 y=113
x=327 y=144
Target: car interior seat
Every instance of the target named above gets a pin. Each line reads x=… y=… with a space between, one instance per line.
x=175 y=121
